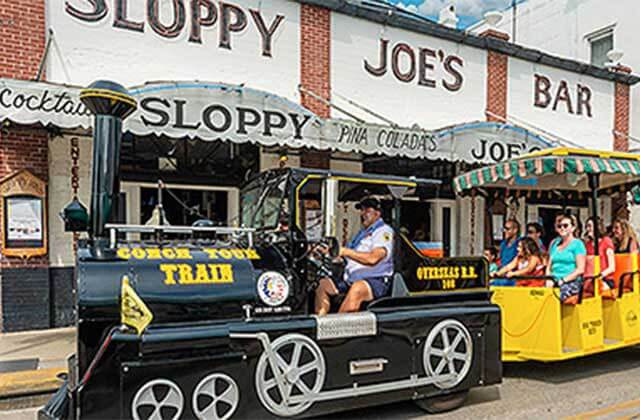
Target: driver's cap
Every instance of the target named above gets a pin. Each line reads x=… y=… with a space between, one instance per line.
x=369 y=202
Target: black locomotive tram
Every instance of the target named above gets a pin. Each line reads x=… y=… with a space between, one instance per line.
x=233 y=333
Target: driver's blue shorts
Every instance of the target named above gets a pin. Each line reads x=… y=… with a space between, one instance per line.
x=379 y=286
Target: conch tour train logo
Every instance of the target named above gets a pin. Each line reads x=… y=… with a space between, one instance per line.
x=184 y=273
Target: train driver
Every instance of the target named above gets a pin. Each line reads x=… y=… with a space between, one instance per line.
x=369 y=263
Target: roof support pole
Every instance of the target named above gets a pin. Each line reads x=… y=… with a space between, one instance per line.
x=594 y=184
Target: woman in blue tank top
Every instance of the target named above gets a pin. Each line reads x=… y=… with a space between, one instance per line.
x=567 y=260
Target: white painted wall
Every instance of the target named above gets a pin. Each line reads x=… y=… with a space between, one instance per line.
x=561 y=27
x=357 y=40
x=593 y=132
x=83 y=52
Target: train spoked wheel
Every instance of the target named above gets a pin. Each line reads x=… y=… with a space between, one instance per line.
x=301 y=368
x=159 y=399
x=448 y=351
x=442 y=403
x=216 y=397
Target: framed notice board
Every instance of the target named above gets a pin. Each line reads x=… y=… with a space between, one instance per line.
x=23 y=211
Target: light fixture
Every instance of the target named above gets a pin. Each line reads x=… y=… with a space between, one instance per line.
x=573 y=179
x=493 y=18
x=614 y=57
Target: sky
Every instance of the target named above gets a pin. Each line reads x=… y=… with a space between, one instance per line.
x=468 y=11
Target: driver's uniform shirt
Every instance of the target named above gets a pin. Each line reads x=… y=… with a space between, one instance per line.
x=378 y=235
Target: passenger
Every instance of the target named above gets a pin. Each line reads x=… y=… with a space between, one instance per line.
x=491 y=254
x=369 y=266
x=624 y=238
x=528 y=262
x=606 y=252
x=559 y=217
x=509 y=246
x=567 y=260
x=535 y=232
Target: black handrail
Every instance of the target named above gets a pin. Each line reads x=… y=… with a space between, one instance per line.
x=623 y=276
x=523 y=278
x=583 y=280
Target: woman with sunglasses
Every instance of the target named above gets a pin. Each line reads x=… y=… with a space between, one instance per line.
x=606 y=252
x=567 y=260
x=624 y=238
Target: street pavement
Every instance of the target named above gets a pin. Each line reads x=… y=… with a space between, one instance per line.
x=604 y=386
x=51 y=347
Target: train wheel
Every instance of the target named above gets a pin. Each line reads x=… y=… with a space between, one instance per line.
x=159 y=399
x=442 y=403
x=301 y=367
x=448 y=352
x=216 y=397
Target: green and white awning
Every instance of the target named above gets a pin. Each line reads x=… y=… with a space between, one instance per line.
x=555 y=169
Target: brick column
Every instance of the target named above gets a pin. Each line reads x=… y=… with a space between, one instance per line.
x=497 y=79
x=24 y=285
x=621 y=113
x=496 y=105
x=622 y=104
x=315 y=75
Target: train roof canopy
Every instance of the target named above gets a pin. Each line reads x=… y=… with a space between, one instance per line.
x=563 y=170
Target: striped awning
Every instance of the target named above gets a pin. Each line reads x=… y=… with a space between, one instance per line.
x=555 y=169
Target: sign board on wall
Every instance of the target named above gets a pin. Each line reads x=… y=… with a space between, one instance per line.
x=575 y=107
x=23 y=214
x=244 y=41
x=221 y=112
x=478 y=142
x=408 y=77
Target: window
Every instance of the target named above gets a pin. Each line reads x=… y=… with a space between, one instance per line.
x=601 y=43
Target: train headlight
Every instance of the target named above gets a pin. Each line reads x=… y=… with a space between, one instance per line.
x=273 y=288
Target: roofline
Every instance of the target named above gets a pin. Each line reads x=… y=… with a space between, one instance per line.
x=503 y=10
x=398 y=18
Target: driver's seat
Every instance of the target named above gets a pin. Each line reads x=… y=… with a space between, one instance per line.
x=398 y=285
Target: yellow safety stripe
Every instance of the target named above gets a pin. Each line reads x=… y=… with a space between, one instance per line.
x=375 y=181
x=108 y=94
x=343 y=178
x=566 y=151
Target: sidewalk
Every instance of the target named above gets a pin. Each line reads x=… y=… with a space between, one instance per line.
x=30 y=361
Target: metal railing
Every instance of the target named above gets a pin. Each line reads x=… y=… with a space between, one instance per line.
x=115 y=228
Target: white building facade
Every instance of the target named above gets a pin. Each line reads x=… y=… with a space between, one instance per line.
x=226 y=89
x=585 y=30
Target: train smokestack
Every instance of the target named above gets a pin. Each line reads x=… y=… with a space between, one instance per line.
x=111 y=103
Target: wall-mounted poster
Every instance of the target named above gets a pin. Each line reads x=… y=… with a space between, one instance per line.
x=24 y=222
x=23 y=211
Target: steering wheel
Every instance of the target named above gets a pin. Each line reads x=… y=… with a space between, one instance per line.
x=323 y=261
